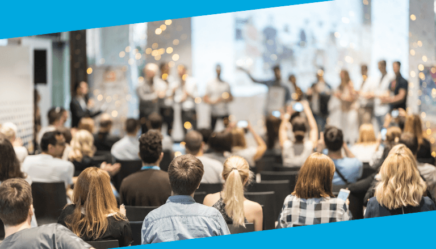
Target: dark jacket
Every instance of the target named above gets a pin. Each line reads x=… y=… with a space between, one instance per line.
x=77 y=112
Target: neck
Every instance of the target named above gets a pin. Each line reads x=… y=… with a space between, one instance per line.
x=151 y=164
x=9 y=230
x=46 y=153
x=131 y=134
x=335 y=154
x=200 y=153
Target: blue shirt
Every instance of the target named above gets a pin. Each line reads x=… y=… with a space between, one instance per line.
x=350 y=168
x=182 y=218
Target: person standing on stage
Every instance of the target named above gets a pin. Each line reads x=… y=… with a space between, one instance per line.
x=185 y=94
x=218 y=95
x=366 y=97
x=166 y=97
x=147 y=95
x=80 y=105
x=382 y=89
x=398 y=87
x=297 y=93
x=319 y=96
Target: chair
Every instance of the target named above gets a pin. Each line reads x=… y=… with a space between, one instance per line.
x=249 y=227
x=136 y=227
x=268 y=202
x=265 y=164
x=104 y=244
x=367 y=171
x=134 y=213
x=166 y=160
x=2 y=230
x=281 y=168
x=199 y=197
x=48 y=200
x=284 y=175
x=128 y=167
x=210 y=188
x=99 y=159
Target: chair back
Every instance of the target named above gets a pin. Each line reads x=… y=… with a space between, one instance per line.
x=104 y=244
x=136 y=227
x=277 y=176
x=281 y=168
x=210 y=188
x=48 y=201
x=199 y=197
x=128 y=167
x=134 y=213
x=268 y=201
x=249 y=227
x=265 y=164
x=97 y=160
x=166 y=160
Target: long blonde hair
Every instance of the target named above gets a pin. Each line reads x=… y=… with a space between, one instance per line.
x=401 y=184
x=237 y=174
x=366 y=134
x=82 y=145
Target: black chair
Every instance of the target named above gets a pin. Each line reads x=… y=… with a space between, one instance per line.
x=367 y=171
x=127 y=168
x=104 y=244
x=268 y=202
x=97 y=160
x=48 y=200
x=277 y=176
x=210 y=188
x=136 y=227
x=281 y=168
x=134 y=213
x=166 y=160
x=265 y=164
x=249 y=227
x=199 y=197
x=2 y=230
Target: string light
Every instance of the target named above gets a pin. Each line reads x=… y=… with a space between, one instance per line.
x=163 y=27
x=175 y=57
x=169 y=50
x=421 y=67
x=155 y=45
x=122 y=54
x=158 y=31
x=157 y=57
x=412 y=74
x=176 y=42
x=138 y=56
x=127 y=49
x=114 y=113
x=424 y=58
x=412 y=52
x=412 y=17
x=155 y=53
x=187 y=125
x=162 y=51
x=89 y=70
x=419 y=43
x=168 y=22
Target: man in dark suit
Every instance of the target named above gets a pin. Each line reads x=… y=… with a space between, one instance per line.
x=80 y=105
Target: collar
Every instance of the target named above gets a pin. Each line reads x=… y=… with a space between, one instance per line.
x=181 y=199
x=150 y=167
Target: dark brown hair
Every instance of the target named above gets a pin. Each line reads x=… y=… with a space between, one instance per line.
x=333 y=138
x=411 y=142
x=131 y=125
x=150 y=146
x=9 y=164
x=221 y=141
x=299 y=128
x=185 y=174
x=272 y=130
x=15 y=201
x=155 y=121
x=193 y=141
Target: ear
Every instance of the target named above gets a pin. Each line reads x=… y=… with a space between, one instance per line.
x=31 y=210
x=161 y=156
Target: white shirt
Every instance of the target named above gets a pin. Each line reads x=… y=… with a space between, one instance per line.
x=21 y=153
x=215 y=90
x=363 y=152
x=247 y=153
x=45 y=168
x=370 y=86
x=294 y=155
x=44 y=130
x=162 y=86
x=126 y=148
x=382 y=88
x=212 y=170
x=190 y=87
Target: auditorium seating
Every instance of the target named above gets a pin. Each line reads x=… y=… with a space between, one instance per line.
x=127 y=168
x=275 y=176
x=138 y=213
x=249 y=227
x=50 y=199
x=2 y=230
x=265 y=164
x=210 y=188
x=280 y=168
x=166 y=160
x=267 y=201
x=103 y=244
x=136 y=227
x=199 y=196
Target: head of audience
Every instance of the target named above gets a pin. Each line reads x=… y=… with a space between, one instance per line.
x=272 y=131
x=194 y=143
x=155 y=121
x=238 y=138
x=132 y=126
x=150 y=70
x=81 y=88
x=333 y=138
x=150 y=148
x=55 y=116
x=366 y=134
x=86 y=124
x=9 y=130
x=205 y=133
x=9 y=165
x=410 y=141
x=82 y=145
x=53 y=143
x=66 y=132
x=237 y=175
x=396 y=66
x=413 y=125
x=393 y=135
x=299 y=129
x=221 y=141
x=105 y=124
x=16 y=207
x=65 y=116
x=400 y=182
x=315 y=179
x=185 y=173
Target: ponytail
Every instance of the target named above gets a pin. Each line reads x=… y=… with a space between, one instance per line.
x=234 y=198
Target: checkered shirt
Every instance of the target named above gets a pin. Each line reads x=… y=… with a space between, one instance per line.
x=298 y=211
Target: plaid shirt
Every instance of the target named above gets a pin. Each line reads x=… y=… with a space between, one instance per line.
x=297 y=211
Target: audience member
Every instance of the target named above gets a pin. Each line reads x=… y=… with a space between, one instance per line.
x=212 y=168
x=10 y=166
x=401 y=189
x=87 y=124
x=155 y=122
x=392 y=137
x=220 y=146
x=16 y=210
x=240 y=147
x=94 y=214
x=312 y=201
x=205 y=133
x=231 y=203
x=54 y=117
x=151 y=185
x=413 y=125
x=272 y=135
x=103 y=140
x=127 y=148
x=66 y=132
x=9 y=130
x=181 y=217
x=366 y=145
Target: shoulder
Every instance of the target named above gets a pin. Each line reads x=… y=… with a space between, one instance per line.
x=211 y=199
x=63 y=163
x=428 y=202
x=254 y=206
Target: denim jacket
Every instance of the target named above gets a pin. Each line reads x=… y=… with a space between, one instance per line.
x=182 y=218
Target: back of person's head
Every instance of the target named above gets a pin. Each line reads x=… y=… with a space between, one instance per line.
x=93 y=193
x=86 y=124
x=9 y=130
x=49 y=138
x=193 y=142
x=9 y=164
x=272 y=131
x=82 y=145
x=238 y=138
x=333 y=138
x=221 y=141
x=150 y=146
x=393 y=135
x=413 y=124
x=106 y=122
x=67 y=134
x=155 y=121
x=15 y=201
x=54 y=114
x=410 y=141
x=366 y=134
x=205 y=133
x=237 y=174
x=185 y=173
x=401 y=184
x=132 y=126
x=315 y=178
x=401 y=122
x=299 y=128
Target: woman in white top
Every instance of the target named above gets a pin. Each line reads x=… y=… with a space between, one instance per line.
x=296 y=151
x=366 y=145
x=10 y=132
x=240 y=148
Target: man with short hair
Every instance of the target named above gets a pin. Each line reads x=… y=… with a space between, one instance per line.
x=181 y=217
x=128 y=147
x=150 y=186
x=104 y=140
x=16 y=212
x=155 y=122
x=399 y=88
x=54 y=117
x=212 y=168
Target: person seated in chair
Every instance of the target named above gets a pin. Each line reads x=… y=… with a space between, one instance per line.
x=127 y=148
x=104 y=140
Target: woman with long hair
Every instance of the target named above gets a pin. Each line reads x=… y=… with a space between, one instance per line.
x=312 y=201
x=232 y=204
x=366 y=145
x=240 y=148
x=413 y=125
x=401 y=189
x=94 y=214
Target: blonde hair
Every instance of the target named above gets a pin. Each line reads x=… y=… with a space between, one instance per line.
x=9 y=130
x=238 y=137
x=413 y=125
x=366 y=134
x=401 y=184
x=86 y=124
x=82 y=145
x=237 y=174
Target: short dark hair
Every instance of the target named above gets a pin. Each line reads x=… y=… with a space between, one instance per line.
x=49 y=138
x=150 y=146
x=299 y=128
x=364 y=66
x=66 y=132
x=155 y=121
x=410 y=141
x=205 y=133
x=54 y=114
x=333 y=138
x=131 y=125
x=185 y=173
x=398 y=62
x=193 y=141
x=221 y=141
x=15 y=201
x=383 y=62
x=276 y=67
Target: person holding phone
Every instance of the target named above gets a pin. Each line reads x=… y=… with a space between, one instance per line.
x=240 y=147
x=312 y=201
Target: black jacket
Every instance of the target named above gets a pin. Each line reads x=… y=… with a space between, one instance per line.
x=77 y=112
